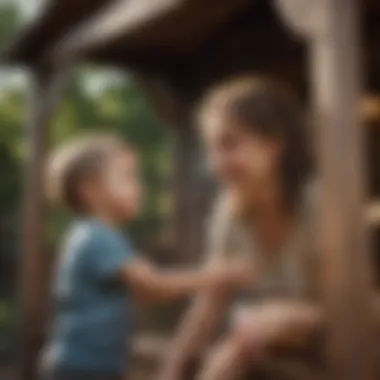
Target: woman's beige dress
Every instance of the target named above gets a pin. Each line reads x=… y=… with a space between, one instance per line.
x=291 y=272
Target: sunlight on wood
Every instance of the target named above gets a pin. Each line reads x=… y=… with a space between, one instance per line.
x=372 y=214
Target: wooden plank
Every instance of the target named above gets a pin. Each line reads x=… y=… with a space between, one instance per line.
x=347 y=281
x=47 y=92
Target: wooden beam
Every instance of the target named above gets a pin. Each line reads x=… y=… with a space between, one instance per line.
x=118 y=18
x=51 y=22
x=47 y=91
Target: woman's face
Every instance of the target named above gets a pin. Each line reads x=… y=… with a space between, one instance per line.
x=241 y=159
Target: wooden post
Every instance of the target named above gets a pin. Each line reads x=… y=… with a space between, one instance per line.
x=347 y=278
x=332 y=28
x=185 y=181
x=47 y=91
x=190 y=191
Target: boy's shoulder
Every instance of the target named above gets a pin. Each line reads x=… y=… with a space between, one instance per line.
x=79 y=236
x=93 y=233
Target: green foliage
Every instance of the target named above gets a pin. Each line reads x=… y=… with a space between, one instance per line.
x=9 y=20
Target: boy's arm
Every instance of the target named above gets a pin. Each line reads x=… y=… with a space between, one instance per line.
x=148 y=282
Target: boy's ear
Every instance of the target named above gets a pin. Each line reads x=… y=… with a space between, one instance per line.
x=86 y=193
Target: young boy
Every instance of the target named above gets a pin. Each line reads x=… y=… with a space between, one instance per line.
x=99 y=277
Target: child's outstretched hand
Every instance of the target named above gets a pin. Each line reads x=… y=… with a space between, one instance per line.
x=237 y=272
x=243 y=272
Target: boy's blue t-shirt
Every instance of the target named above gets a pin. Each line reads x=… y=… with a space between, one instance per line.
x=93 y=322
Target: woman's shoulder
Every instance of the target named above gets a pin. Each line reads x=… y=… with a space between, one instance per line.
x=221 y=215
x=225 y=235
x=218 y=225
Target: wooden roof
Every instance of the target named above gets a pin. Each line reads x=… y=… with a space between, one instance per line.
x=112 y=30
x=136 y=31
x=192 y=40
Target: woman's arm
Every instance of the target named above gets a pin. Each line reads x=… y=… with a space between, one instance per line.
x=202 y=320
x=195 y=332
x=279 y=324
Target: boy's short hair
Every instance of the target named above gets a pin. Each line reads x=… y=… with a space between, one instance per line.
x=76 y=162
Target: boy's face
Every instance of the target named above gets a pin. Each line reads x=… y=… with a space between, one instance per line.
x=119 y=189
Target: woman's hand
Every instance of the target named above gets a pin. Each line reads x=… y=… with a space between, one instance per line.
x=278 y=324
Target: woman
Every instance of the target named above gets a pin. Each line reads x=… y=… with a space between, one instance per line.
x=256 y=137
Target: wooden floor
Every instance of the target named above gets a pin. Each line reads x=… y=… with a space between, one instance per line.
x=148 y=351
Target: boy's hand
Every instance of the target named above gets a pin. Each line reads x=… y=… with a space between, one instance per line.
x=169 y=373
x=238 y=272
x=243 y=272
